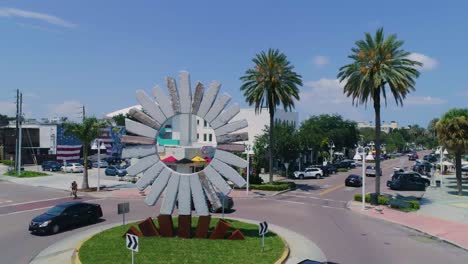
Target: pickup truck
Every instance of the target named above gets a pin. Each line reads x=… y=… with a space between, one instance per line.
x=308 y=173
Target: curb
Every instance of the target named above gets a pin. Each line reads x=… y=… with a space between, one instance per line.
x=284 y=256
x=75 y=259
x=413 y=228
x=281 y=192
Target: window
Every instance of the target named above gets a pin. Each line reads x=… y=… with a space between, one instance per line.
x=198 y=122
x=198 y=136
x=211 y=138
x=205 y=124
x=204 y=136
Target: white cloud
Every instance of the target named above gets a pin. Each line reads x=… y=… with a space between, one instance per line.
x=325 y=96
x=14 y=12
x=428 y=62
x=321 y=60
x=7 y=108
x=424 y=100
x=70 y=109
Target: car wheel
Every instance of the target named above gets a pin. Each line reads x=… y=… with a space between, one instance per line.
x=55 y=229
x=301 y=177
x=426 y=184
x=318 y=176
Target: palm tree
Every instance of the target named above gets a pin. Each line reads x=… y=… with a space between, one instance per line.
x=378 y=63
x=270 y=83
x=452 y=132
x=86 y=132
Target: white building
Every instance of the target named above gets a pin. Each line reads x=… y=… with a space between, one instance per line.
x=384 y=127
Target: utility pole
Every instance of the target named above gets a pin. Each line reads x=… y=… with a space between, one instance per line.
x=17 y=130
x=20 y=138
x=84 y=113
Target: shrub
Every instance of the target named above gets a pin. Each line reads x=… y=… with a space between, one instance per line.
x=383 y=200
x=358 y=198
x=26 y=174
x=8 y=162
x=414 y=204
x=342 y=170
x=276 y=186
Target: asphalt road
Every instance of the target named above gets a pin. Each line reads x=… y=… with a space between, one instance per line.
x=316 y=210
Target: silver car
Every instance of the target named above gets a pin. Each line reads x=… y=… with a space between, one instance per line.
x=370 y=171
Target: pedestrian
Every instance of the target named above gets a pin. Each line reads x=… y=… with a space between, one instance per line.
x=74 y=190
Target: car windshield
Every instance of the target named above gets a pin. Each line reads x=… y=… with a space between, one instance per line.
x=56 y=210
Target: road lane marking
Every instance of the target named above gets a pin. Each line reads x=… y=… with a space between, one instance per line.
x=313 y=197
x=329 y=190
x=38 y=201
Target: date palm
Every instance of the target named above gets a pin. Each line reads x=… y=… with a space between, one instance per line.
x=378 y=63
x=452 y=132
x=86 y=132
x=270 y=83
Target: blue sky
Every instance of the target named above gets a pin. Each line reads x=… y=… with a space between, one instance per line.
x=64 y=54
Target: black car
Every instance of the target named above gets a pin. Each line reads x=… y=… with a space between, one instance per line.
x=430 y=158
x=64 y=216
x=345 y=164
x=409 y=181
x=353 y=180
x=51 y=166
x=327 y=169
x=423 y=168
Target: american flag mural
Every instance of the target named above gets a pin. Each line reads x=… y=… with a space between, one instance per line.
x=68 y=147
x=107 y=139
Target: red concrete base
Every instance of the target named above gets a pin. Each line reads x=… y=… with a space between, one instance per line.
x=185 y=225
x=203 y=226
x=220 y=230
x=134 y=231
x=148 y=228
x=166 y=227
x=236 y=235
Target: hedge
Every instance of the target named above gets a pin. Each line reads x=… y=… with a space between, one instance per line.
x=384 y=200
x=8 y=162
x=276 y=186
x=342 y=170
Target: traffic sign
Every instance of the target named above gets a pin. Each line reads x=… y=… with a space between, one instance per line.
x=263 y=229
x=123 y=208
x=132 y=242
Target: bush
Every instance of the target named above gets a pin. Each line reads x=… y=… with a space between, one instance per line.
x=25 y=174
x=414 y=204
x=255 y=180
x=276 y=186
x=8 y=162
x=342 y=170
x=383 y=200
x=358 y=198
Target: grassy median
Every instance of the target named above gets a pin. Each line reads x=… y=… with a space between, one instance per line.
x=109 y=247
x=25 y=174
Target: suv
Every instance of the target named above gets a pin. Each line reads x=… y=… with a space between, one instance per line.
x=347 y=164
x=408 y=181
x=413 y=156
x=309 y=172
x=51 y=166
x=371 y=171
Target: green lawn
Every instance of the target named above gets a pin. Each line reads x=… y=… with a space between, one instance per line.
x=109 y=247
x=25 y=174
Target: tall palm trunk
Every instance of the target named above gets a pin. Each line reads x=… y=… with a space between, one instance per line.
x=85 y=184
x=458 y=173
x=377 y=141
x=270 y=147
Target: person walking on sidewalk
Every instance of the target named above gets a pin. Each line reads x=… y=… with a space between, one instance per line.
x=74 y=190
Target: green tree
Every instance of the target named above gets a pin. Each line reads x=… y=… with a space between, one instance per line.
x=378 y=63
x=119 y=119
x=86 y=132
x=4 y=120
x=270 y=83
x=452 y=131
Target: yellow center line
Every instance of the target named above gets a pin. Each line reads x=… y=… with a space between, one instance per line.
x=329 y=190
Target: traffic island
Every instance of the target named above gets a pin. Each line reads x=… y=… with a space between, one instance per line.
x=109 y=246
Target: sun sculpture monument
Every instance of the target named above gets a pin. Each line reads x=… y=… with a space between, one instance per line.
x=171 y=154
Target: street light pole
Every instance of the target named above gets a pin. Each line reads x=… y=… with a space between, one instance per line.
x=248 y=170
x=98 y=145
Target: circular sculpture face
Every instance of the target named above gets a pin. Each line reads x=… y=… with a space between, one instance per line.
x=186 y=143
x=167 y=155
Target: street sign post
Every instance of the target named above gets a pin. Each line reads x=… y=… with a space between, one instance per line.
x=262 y=230
x=132 y=244
x=123 y=208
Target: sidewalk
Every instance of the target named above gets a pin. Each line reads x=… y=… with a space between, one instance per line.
x=62 y=251
x=449 y=231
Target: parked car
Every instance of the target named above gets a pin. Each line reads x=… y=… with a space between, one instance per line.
x=351 y=162
x=65 y=215
x=353 y=180
x=115 y=170
x=81 y=161
x=102 y=164
x=430 y=158
x=423 y=168
x=371 y=171
x=51 y=166
x=327 y=169
x=413 y=156
x=345 y=164
x=72 y=167
x=408 y=181
x=309 y=172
